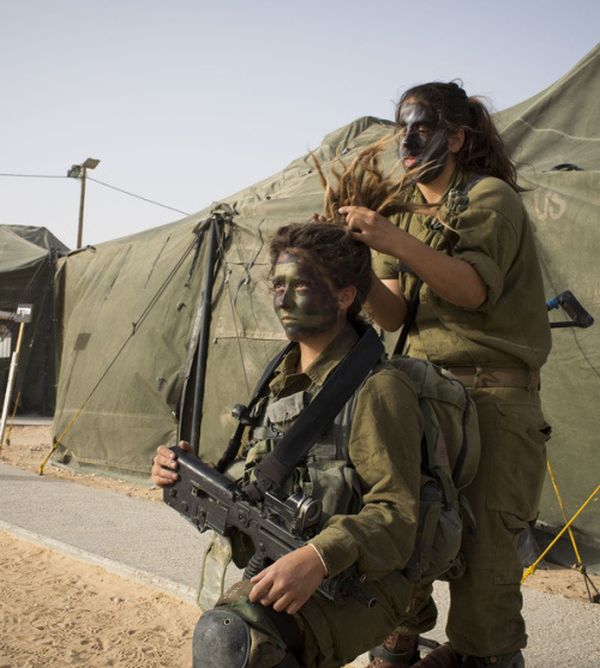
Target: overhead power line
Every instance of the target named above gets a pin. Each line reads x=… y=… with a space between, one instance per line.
x=101 y=183
x=145 y=199
x=36 y=176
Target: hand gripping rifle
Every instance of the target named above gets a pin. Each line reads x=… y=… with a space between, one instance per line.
x=210 y=500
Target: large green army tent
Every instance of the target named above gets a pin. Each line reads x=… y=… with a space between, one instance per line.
x=27 y=265
x=133 y=310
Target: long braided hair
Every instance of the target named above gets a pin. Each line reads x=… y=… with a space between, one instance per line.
x=363 y=182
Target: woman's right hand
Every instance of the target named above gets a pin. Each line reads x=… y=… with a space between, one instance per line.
x=164 y=464
x=371 y=228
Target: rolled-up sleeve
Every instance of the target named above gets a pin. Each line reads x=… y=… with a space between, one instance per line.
x=489 y=236
x=385 y=267
x=385 y=448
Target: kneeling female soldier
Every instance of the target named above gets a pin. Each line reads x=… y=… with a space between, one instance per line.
x=366 y=473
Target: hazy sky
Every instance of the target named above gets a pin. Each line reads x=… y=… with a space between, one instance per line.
x=186 y=102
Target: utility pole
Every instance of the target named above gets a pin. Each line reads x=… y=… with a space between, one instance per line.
x=80 y=172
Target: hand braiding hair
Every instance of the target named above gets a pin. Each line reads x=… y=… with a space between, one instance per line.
x=363 y=182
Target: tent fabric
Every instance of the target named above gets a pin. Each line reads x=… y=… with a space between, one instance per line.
x=40 y=236
x=125 y=311
x=27 y=265
x=118 y=392
x=16 y=253
x=560 y=126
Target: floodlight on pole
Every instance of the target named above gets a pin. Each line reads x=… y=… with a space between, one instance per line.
x=79 y=172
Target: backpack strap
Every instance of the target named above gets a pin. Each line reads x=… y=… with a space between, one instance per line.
x=276 y=467
x=435 y=454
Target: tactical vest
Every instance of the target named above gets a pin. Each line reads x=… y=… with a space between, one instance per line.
x=450 y=455
x=326 y=473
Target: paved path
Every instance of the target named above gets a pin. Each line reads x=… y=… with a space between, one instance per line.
x=150 y=542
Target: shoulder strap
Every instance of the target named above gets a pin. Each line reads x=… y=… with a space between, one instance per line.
x=413 y=305
x=279 y=464
x=411 y=314
x=242 y=412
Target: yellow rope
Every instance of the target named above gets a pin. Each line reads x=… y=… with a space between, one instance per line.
x=531 y=570
x=60 y=438
x=557 y=493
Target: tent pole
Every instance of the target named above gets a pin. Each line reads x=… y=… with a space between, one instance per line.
x=11 y=380
x=205 y=318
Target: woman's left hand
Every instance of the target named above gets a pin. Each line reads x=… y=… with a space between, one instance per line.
x=370 y=227
x=290 y=581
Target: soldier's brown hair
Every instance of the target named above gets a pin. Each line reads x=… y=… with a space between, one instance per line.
x=340 y=259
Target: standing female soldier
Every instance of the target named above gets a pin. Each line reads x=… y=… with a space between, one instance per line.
x=481 y=313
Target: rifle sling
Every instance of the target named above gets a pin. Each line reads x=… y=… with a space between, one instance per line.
x=234 y=444
x=278 y=465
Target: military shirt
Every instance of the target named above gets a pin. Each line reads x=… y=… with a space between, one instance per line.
x=493 y=234
x=385 y=449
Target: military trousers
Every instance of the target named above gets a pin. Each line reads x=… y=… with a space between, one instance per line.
x=485 y=604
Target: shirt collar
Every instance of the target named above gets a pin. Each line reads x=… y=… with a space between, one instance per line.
x=286 y=380
x=458 y=179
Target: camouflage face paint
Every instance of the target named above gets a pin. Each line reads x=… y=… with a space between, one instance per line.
x=302 y=298
x=423 y=145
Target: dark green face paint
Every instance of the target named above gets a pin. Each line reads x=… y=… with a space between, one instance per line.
x=423 y=145
x=302 y=298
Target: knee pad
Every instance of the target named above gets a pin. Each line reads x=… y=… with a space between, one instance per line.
x=221 y=638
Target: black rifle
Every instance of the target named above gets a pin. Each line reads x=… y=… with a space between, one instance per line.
x=210 y=500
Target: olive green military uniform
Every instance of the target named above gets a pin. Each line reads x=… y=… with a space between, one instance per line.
x=384 y=469
x=497 y=350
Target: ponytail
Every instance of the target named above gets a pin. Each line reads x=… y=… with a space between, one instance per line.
x=483 y=151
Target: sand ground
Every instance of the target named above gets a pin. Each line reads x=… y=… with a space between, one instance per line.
x=58 y=611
